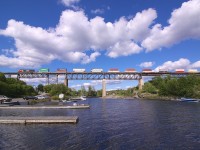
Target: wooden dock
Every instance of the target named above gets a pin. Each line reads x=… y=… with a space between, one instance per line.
x=38 y=120
x=44 y=107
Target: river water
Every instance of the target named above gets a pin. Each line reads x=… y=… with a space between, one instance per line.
x=109 y=124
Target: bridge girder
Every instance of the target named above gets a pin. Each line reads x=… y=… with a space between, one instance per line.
x=97 y=76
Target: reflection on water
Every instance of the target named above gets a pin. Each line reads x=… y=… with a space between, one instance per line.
x=109 y=124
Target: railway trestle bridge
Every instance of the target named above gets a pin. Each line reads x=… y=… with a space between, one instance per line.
x=96 y=76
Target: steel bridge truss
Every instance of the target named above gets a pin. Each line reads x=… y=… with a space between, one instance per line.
x=96 y=76
x=101 y=76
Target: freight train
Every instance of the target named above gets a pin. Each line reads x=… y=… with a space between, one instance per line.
x=99 y=70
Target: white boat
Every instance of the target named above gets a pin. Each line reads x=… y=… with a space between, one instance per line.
x=78 y=98
x=189 y=100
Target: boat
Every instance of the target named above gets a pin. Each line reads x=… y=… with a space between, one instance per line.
x=189 y=100
x=78 y=98
x=11 y=103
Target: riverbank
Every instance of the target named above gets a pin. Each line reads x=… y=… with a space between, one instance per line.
x=143 y=96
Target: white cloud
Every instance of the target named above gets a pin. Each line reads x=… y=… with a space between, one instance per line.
x=70 y=3
x=146 y=64
x=139 y=25
x=182 y=63
x=76 y=86
x=98 y=11
x=35 y=81
x=92 y=57
x=75 y=34
x=183 y=24
x=196 y=65
x=124 y=48
x=69 y=41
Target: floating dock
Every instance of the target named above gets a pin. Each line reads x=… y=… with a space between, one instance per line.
x=45 y=107
x=38 y=120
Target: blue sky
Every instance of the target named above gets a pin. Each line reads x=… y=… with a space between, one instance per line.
x=99 y=34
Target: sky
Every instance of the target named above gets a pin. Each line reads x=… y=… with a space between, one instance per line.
x=103 y=34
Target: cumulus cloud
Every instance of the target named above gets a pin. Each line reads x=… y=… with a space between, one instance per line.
x=96 y=83
x=146 y=64
x=69 y=3
x=97 y=11
x=36 y=81
x=76 y=34
x=182 y=63
x=183 y=24
x=124 y=48
x=195 y=65
x=69 y=41
x=100 y=10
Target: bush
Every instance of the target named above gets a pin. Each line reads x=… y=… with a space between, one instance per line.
x=55 y=98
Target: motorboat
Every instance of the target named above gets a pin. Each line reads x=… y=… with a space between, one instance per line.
x=78 y=98
x=11 y=103
x=189 y=100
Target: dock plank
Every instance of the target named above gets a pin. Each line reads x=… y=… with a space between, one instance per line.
x=45 y=107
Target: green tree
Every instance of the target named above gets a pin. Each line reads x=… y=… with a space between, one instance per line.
x=58 y=89
x=99 y=93
x=2 y=77
x=91 y=92
x=3 y=88
x=40 y=88
x=47 y=88
x=149 y=88
x=83 y=90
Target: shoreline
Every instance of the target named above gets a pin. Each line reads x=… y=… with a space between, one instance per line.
x=164 y=98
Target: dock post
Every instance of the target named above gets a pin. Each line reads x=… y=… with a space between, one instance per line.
x=141 y=83
x=103 y=88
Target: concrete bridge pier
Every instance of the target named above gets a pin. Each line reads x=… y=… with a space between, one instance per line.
x=140 y=83
x=18 y=77
x=47 y=79
x=104 y=88
x=66 y=82
x=56 y=79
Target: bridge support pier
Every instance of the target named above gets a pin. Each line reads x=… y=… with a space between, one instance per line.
x=66 y=82
x=56 y=79
x=103 y=88
x=140 y=83
x=18 y=77
x=47 y=79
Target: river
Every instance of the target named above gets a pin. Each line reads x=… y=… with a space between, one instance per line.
x=109 y=124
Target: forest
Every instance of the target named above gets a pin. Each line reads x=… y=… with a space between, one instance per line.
x=186 y=86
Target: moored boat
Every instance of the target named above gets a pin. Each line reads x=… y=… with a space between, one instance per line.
x=189 y=100
x=78 y=98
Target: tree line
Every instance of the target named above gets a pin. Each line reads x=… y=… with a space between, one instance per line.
x=14 y=88
x=186 y=86
x=55 y=89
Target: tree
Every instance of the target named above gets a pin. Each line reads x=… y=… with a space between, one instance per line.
x=2 y=77
x=91 y=91
x=99 y=93
x=3 y=88
x=40 y=88
x=150 y=88
x=47 y=88
x=83 y=90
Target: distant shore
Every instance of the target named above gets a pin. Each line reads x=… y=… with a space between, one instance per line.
x=149 y=97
